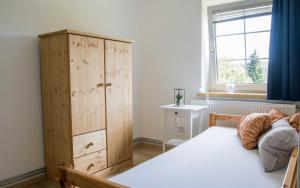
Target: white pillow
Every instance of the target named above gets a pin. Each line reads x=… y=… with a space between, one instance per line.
x=275 y=146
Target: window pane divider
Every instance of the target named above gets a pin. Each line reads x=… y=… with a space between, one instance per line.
x=245 y=48
x=260 y=58
x=245 y=33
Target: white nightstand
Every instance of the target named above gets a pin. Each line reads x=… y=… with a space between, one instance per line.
x=183 y=123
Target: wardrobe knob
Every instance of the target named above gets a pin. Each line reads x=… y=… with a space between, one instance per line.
x=100 y=85
x=90 y=166
x=89 y=145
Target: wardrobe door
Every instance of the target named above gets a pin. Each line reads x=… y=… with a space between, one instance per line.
x=87 y=83
x=118 y=101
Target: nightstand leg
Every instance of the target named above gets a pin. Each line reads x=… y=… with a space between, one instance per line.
x=164 y=133
x=191 y=124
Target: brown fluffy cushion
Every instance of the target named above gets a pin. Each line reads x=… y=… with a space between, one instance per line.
x=276 y=115
x=251 y=127
x=294 y=120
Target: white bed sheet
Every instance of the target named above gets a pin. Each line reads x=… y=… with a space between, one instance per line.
x=214 y=159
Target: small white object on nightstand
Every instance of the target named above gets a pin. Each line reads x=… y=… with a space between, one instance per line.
x=182 y=123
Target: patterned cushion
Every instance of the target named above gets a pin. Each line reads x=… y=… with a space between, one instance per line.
x=251 y=127
x=294 y=120
x=276 y=115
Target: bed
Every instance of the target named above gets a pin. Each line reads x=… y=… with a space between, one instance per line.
x=215 y=158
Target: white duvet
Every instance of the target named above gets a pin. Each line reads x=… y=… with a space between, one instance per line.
x=214 y=159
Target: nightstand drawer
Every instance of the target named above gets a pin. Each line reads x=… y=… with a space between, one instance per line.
x=88 y=143
x=178 y=114
x=91 y=163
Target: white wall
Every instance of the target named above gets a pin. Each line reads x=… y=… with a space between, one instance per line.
x=170 y=51
x=172 y=34
x=167 y=55
x=21 y=140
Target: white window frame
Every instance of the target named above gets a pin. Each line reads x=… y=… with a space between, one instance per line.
x=212 y=76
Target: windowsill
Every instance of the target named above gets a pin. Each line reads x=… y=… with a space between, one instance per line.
x=233 y=95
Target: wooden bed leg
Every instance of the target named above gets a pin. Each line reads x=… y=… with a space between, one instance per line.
x=61 y=183
x=62 y=177
x=64 y=184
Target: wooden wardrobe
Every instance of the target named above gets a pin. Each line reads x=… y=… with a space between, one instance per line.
x=87 y=102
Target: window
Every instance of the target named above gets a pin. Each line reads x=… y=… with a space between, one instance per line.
x=240 y=47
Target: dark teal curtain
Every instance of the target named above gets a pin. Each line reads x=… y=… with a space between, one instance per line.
x=284 y=58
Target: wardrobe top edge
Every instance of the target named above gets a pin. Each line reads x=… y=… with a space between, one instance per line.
x=70 y=31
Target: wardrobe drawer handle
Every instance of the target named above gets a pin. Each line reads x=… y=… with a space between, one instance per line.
x=90 y=166
x=100 y=85
x=89 y=145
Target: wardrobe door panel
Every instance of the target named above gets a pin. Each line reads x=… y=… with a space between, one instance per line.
x=87 y=83
x=118 y=101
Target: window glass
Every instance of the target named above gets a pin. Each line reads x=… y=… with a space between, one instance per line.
x=258 y=42
x=229 y=27
x=260 y=23
x=230 y=47
x=257 y=70
x=231 y=71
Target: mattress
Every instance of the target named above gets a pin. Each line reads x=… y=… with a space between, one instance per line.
x=213 y=159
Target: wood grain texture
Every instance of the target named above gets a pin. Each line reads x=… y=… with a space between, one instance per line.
x=213 y=117
x=56 y=102
x=85 y=181
x=114 y=169
x=91 y=163
x=290 y=179
x=80 y=33
x=82 y=77
x=89 y=143
x=87 y=84
x=118 y=62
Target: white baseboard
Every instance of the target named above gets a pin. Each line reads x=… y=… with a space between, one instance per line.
x=147 y=140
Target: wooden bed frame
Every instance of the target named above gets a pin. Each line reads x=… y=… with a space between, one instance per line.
x=68 y=177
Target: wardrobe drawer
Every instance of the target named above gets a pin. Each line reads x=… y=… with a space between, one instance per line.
x=91 y=163
x=88 y=143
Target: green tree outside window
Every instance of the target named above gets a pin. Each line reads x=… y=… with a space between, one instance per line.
x=254 y=69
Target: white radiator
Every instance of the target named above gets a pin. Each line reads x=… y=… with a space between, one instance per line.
x=242 y=108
